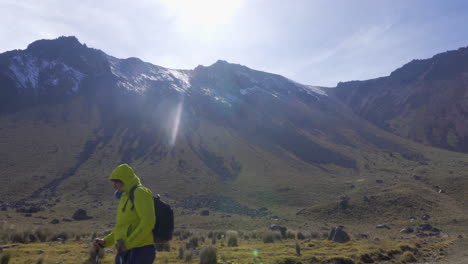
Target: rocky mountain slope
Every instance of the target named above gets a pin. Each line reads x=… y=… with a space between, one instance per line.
x=257 y=143
x=425 y=100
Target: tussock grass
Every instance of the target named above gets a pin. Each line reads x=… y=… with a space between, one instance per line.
x=209 y=255
x=247 y=251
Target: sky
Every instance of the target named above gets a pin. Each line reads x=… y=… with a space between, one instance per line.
x=315 y=42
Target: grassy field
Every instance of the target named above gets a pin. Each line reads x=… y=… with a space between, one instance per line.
x=241 y=247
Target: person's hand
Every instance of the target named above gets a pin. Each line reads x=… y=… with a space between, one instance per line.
x=98 y=243
x=120 y=246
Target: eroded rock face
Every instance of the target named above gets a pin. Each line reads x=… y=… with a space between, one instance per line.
x=338 y=235
x=81 y=214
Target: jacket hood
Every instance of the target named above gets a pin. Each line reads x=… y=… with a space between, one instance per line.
x=125 y=173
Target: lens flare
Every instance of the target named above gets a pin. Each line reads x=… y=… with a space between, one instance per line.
x=175 y=127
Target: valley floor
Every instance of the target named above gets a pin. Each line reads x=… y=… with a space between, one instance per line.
x=256 y=251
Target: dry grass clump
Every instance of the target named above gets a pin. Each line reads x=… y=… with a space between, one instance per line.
x=268 y=238
x=5 y=259
x=232 y=239
x=408 y=257
x=208 y=255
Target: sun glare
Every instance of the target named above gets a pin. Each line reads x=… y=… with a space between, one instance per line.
x=201 y=13
x=175 y=126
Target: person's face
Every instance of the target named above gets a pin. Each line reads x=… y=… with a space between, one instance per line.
x=118 y=185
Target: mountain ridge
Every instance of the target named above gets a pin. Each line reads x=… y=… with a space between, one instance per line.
x=254 y=138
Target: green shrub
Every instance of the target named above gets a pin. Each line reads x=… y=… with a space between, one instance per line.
x=17 y=237
x=288 y=261
x=5 y=259
x=314 y=235
x=181 y=253
x=283 y=231
x=298 y=249
x=208 y=255
x=339 y=260
x=290 y=235
x=268 y=238
x=408 y=257
x=232 y=240
x=42 y=234
x=300 y=236
x=188 y=255
x=192 y=243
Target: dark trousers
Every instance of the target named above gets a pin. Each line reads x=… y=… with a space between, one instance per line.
x=141 y=255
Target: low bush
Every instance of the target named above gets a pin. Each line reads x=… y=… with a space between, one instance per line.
x=300 y=236
x=232 y=239
x=5 y=259
x=268 y=238
x=208 y=255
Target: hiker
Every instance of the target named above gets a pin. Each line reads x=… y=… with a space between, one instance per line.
x=132 y=234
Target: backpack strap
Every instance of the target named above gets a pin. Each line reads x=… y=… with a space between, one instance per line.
x=131 y=195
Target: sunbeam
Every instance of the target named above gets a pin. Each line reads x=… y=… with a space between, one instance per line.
x=175 y=127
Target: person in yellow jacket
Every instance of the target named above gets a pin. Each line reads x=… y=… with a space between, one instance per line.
x=133 y=231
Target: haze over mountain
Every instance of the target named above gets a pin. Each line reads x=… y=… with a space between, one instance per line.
x=69 y=114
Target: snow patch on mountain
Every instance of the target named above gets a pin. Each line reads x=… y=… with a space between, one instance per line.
x=316 y=89
x=31 y=72
x=141 y=76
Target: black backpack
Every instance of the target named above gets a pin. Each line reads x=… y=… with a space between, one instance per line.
x=164 y=226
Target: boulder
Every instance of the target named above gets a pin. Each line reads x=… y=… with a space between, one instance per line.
x=81 y=214
x=205 y=213
x=382 y=226
x=344 y=204
x=425 y=217
x=407 y=230
x=55 y=221
x=424 y=227
x=275 y=227
x=338 y=235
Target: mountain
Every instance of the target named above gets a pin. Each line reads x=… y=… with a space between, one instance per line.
x=425 y=100
x=224 y=137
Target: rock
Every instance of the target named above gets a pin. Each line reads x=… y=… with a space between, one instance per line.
x=379 y=181
x=4 y=208
x=67 y=220
x=444 y=235
x=382 y=226
x=424 y=227
x=363 y=236
x=425 y=217
x=275 y=227
x=338 y=235
x=54 y=222
x=441 y=191
x=407 y=230
x=81 y=214
x=40 y=252
x=434 y=229
x=412 y=218
x=343 y=204
x=27 y=215
x=365 y=198
x=420 y=234
x=205 y=213
x=460 y=237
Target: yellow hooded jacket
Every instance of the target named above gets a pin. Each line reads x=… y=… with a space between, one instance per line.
x=135 y=226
